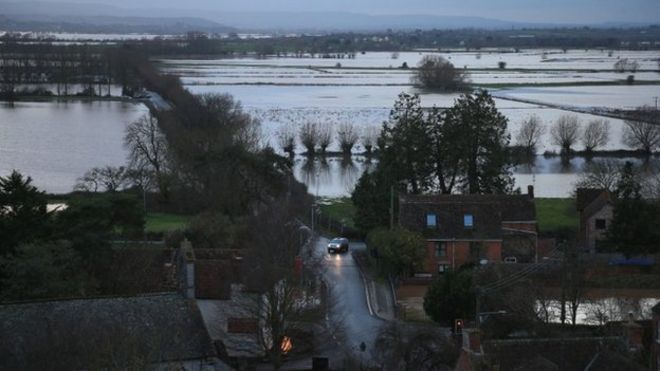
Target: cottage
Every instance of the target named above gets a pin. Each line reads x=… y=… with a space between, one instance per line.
x=462 y=229
x=596 y=210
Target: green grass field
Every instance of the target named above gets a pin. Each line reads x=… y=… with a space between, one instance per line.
x=340 y=209
x=556 y=214
x=161 y=222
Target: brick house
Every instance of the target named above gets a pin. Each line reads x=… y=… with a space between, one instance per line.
x=596 y=210
x=462 y=229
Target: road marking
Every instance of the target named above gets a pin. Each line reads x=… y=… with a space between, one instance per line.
x=366 y=292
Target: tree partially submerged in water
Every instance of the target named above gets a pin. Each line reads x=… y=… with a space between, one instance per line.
x=565 y=133
x=596 y=134
x=530 y=133
x=642 y=130
x=348 y=136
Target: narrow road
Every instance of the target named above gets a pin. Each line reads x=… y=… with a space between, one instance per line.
x=349 y=310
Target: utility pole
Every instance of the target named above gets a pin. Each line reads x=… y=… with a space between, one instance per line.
x=391 y=207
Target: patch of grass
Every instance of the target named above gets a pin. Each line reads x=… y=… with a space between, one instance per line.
x=556 y=215
x=162 y=222
x=339 y=209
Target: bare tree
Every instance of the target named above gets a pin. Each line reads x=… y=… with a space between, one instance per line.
x=369 y=138
x=286 y=139
x=573 y=287
x=348 y=136
x=642 y=132
x=530 y=133
x=566 y=132
x=435 y=72
x=107 y=178
x=288 y=291
x=325 y=136
x=414 y=348
x=148 y=151
x=309 y=136
x=601 y=175
x=596 y=134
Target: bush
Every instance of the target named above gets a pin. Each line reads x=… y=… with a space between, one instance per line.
x=401 y=251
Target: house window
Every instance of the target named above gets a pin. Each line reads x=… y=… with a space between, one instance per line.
x=440 y=249
x=431 y=220
x=601 y=224
x=442 y=268
x=468 y=221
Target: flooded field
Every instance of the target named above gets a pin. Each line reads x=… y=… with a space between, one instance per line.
x=289 y=91
x=57 y=142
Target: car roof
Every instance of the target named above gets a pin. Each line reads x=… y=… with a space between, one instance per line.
x=339 y=239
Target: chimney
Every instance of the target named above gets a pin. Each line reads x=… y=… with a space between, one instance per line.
x=472 y=340
x=530 y=191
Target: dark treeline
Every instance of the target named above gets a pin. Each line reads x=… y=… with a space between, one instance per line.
x=97 y=68
x=216 y=160
x=213 y=146
x=473 y=39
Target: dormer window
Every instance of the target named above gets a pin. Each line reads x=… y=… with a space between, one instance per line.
x=468 y=221
x=431 y=220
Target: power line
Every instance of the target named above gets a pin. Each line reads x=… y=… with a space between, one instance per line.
x=517 y=276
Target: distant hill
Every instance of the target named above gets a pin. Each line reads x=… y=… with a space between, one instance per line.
x=108 y=24
x=104 y=16
x=86 y=18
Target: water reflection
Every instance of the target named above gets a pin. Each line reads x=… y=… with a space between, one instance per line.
x=601 y=311
x=349 y=173
x=551 y=176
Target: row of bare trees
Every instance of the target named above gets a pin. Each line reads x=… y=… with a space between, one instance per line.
x=95 y=68
x=565 y=133
x=640 y=132
x=315 y=138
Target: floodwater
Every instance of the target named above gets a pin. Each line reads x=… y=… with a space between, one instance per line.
x=287 y=92
x=56 y=142
x=602 y=310
x=550 y=176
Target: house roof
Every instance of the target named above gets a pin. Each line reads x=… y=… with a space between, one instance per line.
x=569 y=354
x=129 y=271
x=488 y=211
x=585 y=196
x=610 y=361
x=218 y=313
x=213 y=279
x=597 y=204
x=102 y=332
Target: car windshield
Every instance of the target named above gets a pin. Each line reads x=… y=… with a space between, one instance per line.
x=336 y=240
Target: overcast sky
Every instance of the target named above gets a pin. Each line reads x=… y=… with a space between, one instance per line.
x=513 y=10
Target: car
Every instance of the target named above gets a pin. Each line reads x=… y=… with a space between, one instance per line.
x=338 y=245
